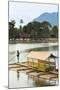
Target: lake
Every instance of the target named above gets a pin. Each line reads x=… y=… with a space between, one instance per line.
x=24 y=49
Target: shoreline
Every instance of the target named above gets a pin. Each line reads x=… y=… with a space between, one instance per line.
x=42 y=40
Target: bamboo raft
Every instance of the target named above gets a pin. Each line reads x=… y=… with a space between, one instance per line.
x=19 y=66
x=36 y=65
x=24 y=67
x=36 y=76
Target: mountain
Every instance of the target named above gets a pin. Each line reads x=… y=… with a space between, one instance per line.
x=50 y=17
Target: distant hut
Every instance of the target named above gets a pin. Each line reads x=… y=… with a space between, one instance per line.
x=42 y=61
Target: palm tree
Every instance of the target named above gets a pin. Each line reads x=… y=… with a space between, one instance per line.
x=21 y=21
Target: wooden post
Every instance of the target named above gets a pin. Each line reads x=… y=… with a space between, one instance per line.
x=28 y=61
x=38 y=64
x=33 y=62
x=55 y=64
x=49 y=61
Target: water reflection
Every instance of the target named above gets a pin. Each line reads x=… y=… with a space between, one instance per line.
x=43 y=82
x=18 y=75
x=20 y=79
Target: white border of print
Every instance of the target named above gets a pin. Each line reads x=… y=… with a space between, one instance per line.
x=4 y=43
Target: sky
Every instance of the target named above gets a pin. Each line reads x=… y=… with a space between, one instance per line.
x=28 y=11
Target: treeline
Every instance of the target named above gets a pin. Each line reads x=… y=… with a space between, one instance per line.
x=33 y=30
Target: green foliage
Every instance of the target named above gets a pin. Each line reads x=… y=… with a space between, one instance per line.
x=54 y=31
x=11 y=29
x=33 y=30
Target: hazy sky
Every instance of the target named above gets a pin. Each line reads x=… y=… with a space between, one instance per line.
x=28 y=11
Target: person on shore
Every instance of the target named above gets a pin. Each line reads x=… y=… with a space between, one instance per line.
x=18 y=55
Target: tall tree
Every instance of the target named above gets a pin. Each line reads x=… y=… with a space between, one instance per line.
x=11 y=29
x=21 y=21
x=20 y=28
x=45 y=29
x=54 y=32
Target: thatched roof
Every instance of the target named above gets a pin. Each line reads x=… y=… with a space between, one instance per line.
x=43 y=55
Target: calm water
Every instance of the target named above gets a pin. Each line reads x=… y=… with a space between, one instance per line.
x=20 y=79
